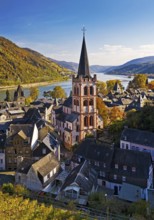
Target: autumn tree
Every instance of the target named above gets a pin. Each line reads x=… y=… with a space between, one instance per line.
x=34 y=93
x=139 y=81
x=116 y=114
x=102 y=87
x=58 y=92
x=151 y=85
x=102 y=110
x=111 y=83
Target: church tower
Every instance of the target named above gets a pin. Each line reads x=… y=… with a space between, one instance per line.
x=84 y=96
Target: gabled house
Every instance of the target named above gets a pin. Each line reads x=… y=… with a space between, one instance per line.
x=116 y=167
x=44 y=106
x=138 y=140
x=21 y=140
x=38 y=175
x=80 y=182
x=45 y=146
x=128 y=167
x=33 y=116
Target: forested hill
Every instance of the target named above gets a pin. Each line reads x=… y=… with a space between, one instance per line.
x=18 y=65
x=143 y=65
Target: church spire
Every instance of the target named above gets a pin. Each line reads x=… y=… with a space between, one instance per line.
x=83 y=69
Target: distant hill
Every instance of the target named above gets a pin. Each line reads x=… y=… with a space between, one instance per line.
x=74 y=66
x=69 y=65
x=22 y=65
x=140 y=65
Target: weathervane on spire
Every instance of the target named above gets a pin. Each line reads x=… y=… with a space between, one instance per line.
x=83 y=30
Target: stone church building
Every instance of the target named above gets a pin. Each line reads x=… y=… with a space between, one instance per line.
x=78 y=116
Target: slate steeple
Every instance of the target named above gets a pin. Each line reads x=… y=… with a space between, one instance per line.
x=83 y=69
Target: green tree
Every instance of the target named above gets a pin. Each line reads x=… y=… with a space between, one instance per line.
x=139 y=209
x=8 y=98
x=28 y=100
x=111 y=84
x=8 y=188
x=34 y=93
x=102 y=87
x=139 y=81
x=58 y=92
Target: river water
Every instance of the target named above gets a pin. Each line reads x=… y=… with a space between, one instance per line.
x=67 y=85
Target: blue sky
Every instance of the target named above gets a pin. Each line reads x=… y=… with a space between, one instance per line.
x=117 y=30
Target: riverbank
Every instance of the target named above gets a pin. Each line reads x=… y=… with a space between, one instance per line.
x=29 y=85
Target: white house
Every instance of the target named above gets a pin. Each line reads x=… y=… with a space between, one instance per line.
x=38 y=175
x=139 y=140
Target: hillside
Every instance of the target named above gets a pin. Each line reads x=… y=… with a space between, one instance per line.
x=140 y=65
x=74 y=66
x=18 y=65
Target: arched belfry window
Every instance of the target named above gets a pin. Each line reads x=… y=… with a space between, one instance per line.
x=75 y=101
x=77 y=92
x=91 y=102
x=91 y=90
x=85 y=103
x=91 y=120
x=74 y=90
x=86 y=121
x=85 y=90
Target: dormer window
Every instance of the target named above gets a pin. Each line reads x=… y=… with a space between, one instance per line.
x=96 y=163
x=114 y=176
x=124 y=167
x=133 y=169
x=44 y=151
x=116 y=166
x=123 y=178
x=102 y=173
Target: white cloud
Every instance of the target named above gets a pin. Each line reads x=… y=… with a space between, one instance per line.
x=119 y=54
x=105 y=55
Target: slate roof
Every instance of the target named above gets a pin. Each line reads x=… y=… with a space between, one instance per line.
x=25 y=165
x=83 y=69
x=58 y=109
x=68 y=102
x=138 y=136
x=32 y=116
x=91 y=150
x=82 y=175
x=131 y=159
x=67 y=117
x=50 y=141
x=110 y=156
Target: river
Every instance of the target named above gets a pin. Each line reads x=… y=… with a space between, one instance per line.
x=67 y=85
